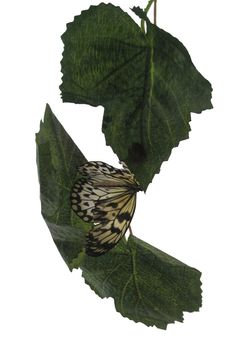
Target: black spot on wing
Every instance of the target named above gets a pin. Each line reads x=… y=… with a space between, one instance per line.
x=123 y=217
x=115 y=230
x=112 y=205
x=100 y=215
x=107 y=211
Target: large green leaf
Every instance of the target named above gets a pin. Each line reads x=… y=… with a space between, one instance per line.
x=57 y=160
x=146 y=82
x=147 y=285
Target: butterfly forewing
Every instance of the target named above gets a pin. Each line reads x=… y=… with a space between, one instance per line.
x=106 y=197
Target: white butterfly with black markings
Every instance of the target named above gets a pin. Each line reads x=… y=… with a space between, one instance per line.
x=106 y=197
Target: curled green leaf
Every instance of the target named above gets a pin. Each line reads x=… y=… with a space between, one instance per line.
x=57 y=160
x=146 y=284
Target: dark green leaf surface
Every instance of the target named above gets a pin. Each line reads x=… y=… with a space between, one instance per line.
x=146 y=82
x=57 y=159
x=147 y=285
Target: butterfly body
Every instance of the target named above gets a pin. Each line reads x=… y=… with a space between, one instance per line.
x=106 y=197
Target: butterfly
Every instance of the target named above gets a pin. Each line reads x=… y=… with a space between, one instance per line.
x=106 y=197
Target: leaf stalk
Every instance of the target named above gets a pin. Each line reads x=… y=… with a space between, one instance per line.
x=146 y=10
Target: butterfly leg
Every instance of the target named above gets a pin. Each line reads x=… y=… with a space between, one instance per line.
x=130 y=230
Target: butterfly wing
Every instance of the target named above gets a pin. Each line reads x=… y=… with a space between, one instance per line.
x=100 y=181
x=112 y=219
x=106 y=197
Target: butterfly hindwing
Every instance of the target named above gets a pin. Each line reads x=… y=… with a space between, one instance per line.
x=106 y=197
x=112 y=227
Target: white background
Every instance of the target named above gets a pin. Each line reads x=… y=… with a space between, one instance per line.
x=186 y=211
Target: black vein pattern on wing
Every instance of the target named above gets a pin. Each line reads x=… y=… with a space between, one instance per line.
x=107 y=233
x=106 y=197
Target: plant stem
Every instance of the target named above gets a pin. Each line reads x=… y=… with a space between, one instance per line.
x=147 y=8
x=155 y=11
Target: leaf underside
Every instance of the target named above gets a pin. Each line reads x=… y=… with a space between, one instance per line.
x=146 y=284
x=146 y=82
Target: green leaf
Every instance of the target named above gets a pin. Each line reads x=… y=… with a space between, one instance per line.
x=57 y=160
x=147 y=285
x=146 y=82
